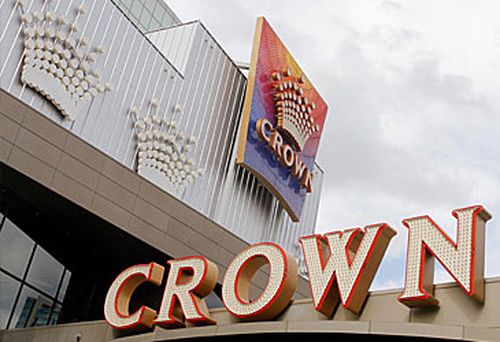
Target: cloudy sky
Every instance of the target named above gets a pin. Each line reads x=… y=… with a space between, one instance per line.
x=414 y=120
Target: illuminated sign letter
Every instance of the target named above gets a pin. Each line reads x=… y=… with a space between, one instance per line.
x=307 y=180
x=298 y=168
x=279 y=290
x=463 y=259
x=354 y=257
x=264 y=129
x=275 y=143
x=117 y=301
x=189 y=281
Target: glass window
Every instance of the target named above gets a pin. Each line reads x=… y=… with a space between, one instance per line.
x=146 y=17
x=154 y=25
x=33 y=309
x=33 y=284
x=136 y=9
x=159 y=13
x=8 y=292
x=15 y=248
x=168 y=20
x=55 y=315
x=45 y=272
x=64 y=286
x=150 y=4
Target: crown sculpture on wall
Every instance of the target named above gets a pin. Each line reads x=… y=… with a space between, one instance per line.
x=293 y=109
x=163 y=147
x=58 y=62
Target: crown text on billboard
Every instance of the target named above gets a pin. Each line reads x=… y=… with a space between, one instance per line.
x=284 y=153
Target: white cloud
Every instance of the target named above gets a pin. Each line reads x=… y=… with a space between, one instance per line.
x=387 y=284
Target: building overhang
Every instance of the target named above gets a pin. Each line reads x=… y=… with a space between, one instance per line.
x=457 y=318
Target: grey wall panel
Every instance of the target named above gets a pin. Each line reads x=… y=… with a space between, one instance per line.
x=175 y=44
x=220 y=143
x=194 y=83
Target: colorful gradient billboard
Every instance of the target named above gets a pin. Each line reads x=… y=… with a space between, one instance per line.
x=282 y=122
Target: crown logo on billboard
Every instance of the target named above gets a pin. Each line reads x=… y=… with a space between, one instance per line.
x=163 y=147
x=293 y=109
x=58 y=62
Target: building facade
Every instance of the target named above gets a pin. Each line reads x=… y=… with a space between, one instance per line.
x=118 y=145
x=139 y=91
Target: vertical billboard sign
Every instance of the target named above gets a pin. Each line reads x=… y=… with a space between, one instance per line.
x=282 y=122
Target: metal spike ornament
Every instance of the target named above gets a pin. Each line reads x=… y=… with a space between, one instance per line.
x=163 y=147
x=58 y=62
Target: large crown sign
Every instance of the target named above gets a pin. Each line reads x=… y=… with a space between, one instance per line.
x=58 y=63
x=293 y=108
x=163 y=147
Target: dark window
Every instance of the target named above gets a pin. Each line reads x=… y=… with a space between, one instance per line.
x=45 y=272
x=32 y=282
x=15 y=249
x=64 y=286
x=33 y=309
x=8 y=291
